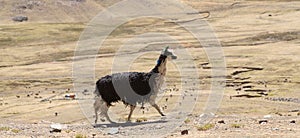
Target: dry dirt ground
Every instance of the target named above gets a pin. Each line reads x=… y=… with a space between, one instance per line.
x=260 y=41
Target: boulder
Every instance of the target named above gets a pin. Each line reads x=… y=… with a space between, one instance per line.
x=20 y=18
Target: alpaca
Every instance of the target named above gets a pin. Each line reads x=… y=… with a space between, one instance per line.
x=131 y=88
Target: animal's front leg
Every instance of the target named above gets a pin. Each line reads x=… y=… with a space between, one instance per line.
x=158 y=109
x=152 y=100
x=97 y=105
x=132 y=107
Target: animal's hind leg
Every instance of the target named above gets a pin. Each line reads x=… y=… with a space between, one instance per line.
x=106 y=114
x=102 y=106
x=132 y=107
x=97 y=106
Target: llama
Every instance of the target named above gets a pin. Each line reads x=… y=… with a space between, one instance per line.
x=131 y=88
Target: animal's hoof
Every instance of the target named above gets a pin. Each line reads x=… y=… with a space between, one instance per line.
x=163 y=115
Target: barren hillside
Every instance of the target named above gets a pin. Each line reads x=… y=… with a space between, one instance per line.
x=260 y=41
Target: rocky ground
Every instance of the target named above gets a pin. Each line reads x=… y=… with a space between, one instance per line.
x=260 y=41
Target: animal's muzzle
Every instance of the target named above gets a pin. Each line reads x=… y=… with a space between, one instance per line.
x=174 y=57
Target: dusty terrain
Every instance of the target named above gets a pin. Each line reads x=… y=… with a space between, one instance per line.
x=260 y=40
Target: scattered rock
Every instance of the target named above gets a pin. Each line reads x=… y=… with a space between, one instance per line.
x=275 y=129
x=280 y=114
x=70 y=96
x=221 y=122
x=20 y=18
x=293 y=121
x=56 y=113
x=18 y=96
x=267 y=116
x=57 y=127
x=184 y=132
x=264 y=121
x=113 y=131
x=296 y=110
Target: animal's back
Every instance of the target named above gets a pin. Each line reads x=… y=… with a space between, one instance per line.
x=139 y=83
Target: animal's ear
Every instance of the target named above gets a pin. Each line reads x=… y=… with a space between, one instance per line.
x=166 y=49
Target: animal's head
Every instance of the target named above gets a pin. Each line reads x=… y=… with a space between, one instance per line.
x=169 y=53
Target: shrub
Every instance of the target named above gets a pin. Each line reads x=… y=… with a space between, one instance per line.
x=205 y=127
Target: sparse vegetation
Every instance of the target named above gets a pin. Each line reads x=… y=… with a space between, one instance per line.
x=205 y=127
x=4 y=128
x=15 y=130
x=68 y=131
x=80 y=136
x=236 y=125
x=187 y=120
x=39 y=33
x=142 y=119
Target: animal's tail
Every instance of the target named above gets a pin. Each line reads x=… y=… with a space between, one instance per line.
x=96 y=92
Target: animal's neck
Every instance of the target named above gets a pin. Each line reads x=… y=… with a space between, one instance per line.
x=161 y=67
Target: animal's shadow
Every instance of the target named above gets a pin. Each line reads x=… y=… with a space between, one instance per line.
x=127 y=124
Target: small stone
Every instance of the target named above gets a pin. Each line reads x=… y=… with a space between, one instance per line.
x=293 y=121
x=264 y=121
x=275 y=129
x=184 y=132
x=113 y=131
x=18 y=96
x=221 y=122
x=57 y=127
x=20 y=19
x=295 y=110
x=268 y=116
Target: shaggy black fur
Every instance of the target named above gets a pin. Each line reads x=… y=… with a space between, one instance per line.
x=115 y=87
